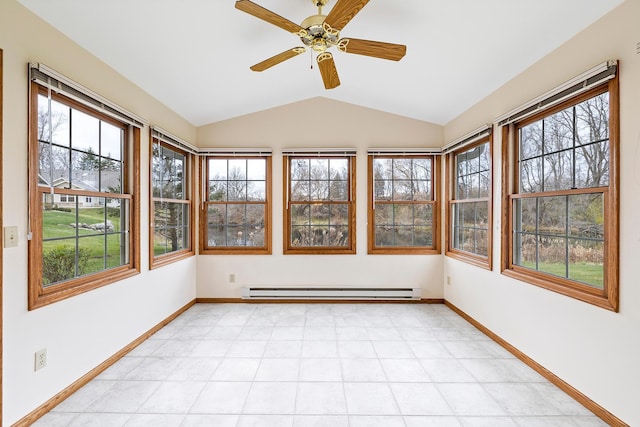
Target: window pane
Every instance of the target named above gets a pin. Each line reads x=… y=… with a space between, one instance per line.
x=339 y=169
x=402 y=169
x=91 y=254
x=217 y=169
x=339 y=190
x=339 y=215
x=236 y=191
x=382 y=169
x=592 y=165
x=111 y=141
x=218 y=191
x=319 y=169
x=300 y=214
x=421 y=169
x=531 y=176
x=319 y=190
x=586 y=262
x=552 y=215
x=402 y=190
x=299 y=169
x=60 y=261
x=256 y=169
x=238 y=170
x=592 y=119
x=383 y=190
x=256 y=191
x=586 y=216
x=319 y=214
x=423 y=214
x=531 y=140
x=85 y=134
x=558 y=131
x=216 y=221
x=299 y=190
x=552 y=255
x=558 y=171
x=384 y=214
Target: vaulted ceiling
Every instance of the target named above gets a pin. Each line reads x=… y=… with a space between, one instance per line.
x=194 y=55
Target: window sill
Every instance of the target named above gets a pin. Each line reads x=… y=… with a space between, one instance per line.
x=78 y=286
x=170 y=258
x=599 y=298
x=469 y=258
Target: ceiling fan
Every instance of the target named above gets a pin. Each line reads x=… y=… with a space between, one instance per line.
x=321 y=32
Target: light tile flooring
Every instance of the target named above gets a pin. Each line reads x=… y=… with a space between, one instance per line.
x=301 y=365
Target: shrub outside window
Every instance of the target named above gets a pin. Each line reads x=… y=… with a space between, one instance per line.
x=403 y=204
x=563 y=210
x=171 y=212
x=469 y=208
x=82 y=207
x=236 y=217
x=319 y=205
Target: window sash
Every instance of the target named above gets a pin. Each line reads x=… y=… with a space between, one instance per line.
x=40 y=295
x=331 y=233
x=247 y=231
x=605 y=296
x=428 y=244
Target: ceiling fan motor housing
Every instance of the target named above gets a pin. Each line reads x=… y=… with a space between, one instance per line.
x=317 y=35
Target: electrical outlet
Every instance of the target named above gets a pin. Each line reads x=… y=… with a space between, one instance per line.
x=232 y=278
x=41 y=359
x=10 y=237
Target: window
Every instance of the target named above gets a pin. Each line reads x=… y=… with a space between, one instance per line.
x=83 y=211
x=402 y=210
x=171 y=212
x=469 y=203
x=319 y=204
x=563 y=207
x=237 y=210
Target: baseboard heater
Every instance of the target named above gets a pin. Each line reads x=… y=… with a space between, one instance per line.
x=329 y=293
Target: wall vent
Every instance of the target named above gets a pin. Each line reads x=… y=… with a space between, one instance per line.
x=330 y=293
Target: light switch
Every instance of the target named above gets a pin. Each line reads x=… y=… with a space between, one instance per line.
x=10 y=237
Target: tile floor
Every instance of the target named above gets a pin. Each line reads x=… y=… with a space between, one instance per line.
x=302 y=365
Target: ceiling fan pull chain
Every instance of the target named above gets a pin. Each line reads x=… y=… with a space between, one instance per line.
x=311 y=57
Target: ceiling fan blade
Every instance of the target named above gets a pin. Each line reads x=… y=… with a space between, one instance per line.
x=394 y=52
x=328 y=70
x=266 y=15
x=343 y=12
x=275 y=60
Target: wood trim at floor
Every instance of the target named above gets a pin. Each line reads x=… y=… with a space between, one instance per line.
x=314 y=301
x=581 y=398
x=41 y=410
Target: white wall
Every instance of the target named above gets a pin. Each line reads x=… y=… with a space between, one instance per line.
x=317 y=123
x=81 y=332
x=594 y=350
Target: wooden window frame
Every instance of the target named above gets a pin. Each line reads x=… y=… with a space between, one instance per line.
x=435 y=202
x=204 y=231
x=485 y=262
x=156 y=261
x=608 y=297
x=40 y=296
x=350 y=248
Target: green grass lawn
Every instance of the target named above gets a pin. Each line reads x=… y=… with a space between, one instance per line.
x=57 y=224
x=590 y=274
